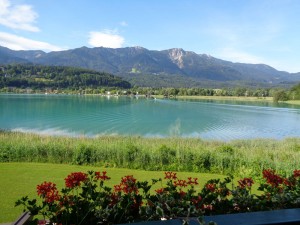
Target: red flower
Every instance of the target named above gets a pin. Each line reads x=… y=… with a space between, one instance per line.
x=101 y=177
x=170 y=175
x=48 y=191
x=118 y=188
x=197 y=202
x=246 y=183
x=160 y=191
x=296 y=173
x=272 y=178
x=127 y=185
x=75 y=179
x=211 y=187
x=180 y=183
x=194 y=181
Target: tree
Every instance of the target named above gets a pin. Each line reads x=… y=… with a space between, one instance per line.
x=280 y=95
x=295 y=92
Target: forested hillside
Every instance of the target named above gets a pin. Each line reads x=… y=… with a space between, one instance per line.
x=40 y=77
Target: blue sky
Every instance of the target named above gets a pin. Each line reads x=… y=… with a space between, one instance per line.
x=249 y=31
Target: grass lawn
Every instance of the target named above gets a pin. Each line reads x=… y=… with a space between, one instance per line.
x=20 y=179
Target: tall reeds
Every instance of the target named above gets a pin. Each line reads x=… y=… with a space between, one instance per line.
x=239 y=157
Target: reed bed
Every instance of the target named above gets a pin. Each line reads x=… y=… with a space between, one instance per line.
x=240 y=157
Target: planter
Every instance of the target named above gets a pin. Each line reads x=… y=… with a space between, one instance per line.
x=275 y=217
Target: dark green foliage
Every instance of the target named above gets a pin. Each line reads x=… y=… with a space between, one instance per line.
x=83 y=155
x=56 y=77
x=280 y=95
x=295 y=92
x=167 y=155
x=4 y=157
x=203 y=162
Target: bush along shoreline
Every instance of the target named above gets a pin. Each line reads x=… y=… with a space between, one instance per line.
x=240 y=157
x=86 y=199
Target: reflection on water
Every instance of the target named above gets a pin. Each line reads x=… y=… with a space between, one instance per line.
x=95 y=115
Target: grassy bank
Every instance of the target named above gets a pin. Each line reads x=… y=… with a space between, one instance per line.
x=20 y=179
x=240 y=157
x=293 y=102
x=234 y=98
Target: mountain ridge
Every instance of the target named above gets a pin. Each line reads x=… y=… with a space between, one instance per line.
x=140 y=65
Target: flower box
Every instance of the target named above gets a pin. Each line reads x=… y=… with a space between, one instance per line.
x=86 y=201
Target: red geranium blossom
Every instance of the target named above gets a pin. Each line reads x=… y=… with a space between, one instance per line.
x=75 y=179
x=296 y=173
x=272 y=178
x=48 y=191
x=118 y=188
x=127 y=185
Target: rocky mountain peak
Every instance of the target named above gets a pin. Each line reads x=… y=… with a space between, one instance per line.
x=176 y=55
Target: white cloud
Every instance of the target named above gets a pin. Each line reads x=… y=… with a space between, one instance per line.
x=106 y=38
x=21 y=17
x=20 y=43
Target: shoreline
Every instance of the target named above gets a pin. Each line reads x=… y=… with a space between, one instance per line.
x=179 y=97
x=230 y=98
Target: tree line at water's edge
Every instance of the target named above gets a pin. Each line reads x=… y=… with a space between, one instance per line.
x=29 y=78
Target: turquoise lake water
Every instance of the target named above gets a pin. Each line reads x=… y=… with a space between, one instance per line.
x=96 y=115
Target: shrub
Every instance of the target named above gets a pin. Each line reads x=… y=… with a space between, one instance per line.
x=86 y=200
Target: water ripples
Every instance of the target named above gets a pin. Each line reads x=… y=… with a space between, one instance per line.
x=93 y=116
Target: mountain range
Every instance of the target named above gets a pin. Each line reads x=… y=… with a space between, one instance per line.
x=168 y=68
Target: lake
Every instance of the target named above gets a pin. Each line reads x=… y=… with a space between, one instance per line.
x=100 y=115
